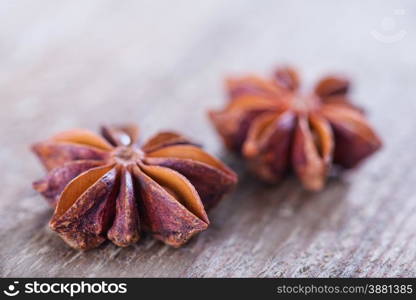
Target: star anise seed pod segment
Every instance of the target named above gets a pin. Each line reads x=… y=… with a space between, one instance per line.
x=276 y=128
x=110 y=188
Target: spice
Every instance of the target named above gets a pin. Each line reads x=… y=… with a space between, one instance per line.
x=109 y=188
x=276 y=128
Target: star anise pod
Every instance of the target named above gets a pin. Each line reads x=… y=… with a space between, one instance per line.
x=110 y=188
x=276 y=128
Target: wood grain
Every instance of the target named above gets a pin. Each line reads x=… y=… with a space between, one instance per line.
x=82 y=63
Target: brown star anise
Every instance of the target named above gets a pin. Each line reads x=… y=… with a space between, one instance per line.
x=277 y=128
x=108 y=187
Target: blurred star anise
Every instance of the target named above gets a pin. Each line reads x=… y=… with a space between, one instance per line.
x=277 y=128
x=109 y=188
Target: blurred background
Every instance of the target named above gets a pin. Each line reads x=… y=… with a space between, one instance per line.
x=66 y=64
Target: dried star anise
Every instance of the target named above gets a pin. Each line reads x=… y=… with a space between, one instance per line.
x=108 y=187
x=276 y=128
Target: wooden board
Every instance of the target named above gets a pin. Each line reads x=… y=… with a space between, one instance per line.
x=82 y=63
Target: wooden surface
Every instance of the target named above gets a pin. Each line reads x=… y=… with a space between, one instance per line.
x=80 y=63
